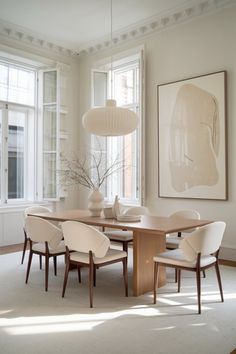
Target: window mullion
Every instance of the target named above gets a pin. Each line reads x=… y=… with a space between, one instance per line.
x=8 y=81
x=5 y=155
x=26 y=155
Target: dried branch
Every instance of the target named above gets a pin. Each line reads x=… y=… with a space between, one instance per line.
x=90 y=169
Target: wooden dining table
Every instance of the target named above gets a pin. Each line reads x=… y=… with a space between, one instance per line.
x=149 y=239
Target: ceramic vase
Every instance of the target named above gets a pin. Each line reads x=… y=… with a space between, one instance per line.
x=116 y=207
x=95 y=202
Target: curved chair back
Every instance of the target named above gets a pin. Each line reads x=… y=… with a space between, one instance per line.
x=39 y=209
x=205 y=240
x=137 y=210
x=186 y=214
x=40 y=230
x=36 y=209
x=84 y=238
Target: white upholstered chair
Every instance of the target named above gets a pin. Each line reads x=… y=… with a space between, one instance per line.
x=45 y=240
x=88 y=247
x=173 y=240
x=32 y=210
x=196 y=252
x=125 y=236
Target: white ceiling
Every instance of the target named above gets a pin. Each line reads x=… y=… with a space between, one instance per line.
x=72 y=26
x=74 y=23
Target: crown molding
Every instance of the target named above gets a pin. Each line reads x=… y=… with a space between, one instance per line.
x=34 y=40
x=153 y=24
x=192 y=9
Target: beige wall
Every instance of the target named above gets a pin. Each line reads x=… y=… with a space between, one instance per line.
x=202 y=46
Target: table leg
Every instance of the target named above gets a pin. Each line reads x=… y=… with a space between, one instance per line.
x=145 y=246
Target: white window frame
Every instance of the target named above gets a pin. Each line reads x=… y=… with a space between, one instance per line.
x=7 y=106
x=40 y=152
x=34 y=192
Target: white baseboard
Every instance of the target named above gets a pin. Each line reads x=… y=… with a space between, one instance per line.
x=228 y=254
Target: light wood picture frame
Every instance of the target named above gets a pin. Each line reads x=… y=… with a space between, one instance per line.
x=192 y=156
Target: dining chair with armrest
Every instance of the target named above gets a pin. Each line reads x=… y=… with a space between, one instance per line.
x=45 y=240
x=173 y=240
x=196 y=253
x=124 y=236
x=88 y=247
x=32 y=210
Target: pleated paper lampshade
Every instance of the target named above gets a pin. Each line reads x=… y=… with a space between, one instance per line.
x=110 y=120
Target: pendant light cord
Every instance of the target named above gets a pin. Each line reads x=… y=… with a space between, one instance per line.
x=111 y=13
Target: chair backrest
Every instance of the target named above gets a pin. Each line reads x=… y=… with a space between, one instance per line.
x=186 y=214
x=40 y=230
x=137 y=210
x=36 y=209
x=205 y=240
x=84 y=238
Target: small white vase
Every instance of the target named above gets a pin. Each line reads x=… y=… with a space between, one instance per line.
x=96 y=200
x=116 y=207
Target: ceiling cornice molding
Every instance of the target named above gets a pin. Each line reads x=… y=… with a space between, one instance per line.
x=156 y=23
x=19 y=34
x=153 y=24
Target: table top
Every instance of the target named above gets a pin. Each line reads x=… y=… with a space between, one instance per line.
x=158 y=224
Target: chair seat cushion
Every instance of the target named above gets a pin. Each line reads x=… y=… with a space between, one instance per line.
x=40 y=247
x=111 y=255
x=176 y=257
x=119 y=235
x=173 y=241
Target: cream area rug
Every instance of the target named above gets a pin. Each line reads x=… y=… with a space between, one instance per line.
x=34 y=322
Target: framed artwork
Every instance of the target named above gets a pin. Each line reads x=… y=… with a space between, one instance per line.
x=192 y=137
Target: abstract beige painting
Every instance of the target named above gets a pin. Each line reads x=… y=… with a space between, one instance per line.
x=192 y=151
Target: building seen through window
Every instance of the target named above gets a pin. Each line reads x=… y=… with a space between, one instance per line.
x=17 y=100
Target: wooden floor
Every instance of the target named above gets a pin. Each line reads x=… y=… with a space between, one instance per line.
x=19 y=247
x=11 y=249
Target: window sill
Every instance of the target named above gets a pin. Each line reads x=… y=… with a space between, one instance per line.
x=14 y=207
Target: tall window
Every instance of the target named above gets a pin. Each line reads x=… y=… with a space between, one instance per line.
x=127 y=90
x=28 y=133
x=17 y=101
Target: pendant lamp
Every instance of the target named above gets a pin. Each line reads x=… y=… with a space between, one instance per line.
x=110 y=120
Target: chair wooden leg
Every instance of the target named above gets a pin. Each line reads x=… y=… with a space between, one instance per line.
x=94 y=276
x=24 y=248
x=55 y=264
x=219 y=280
x=91 y=280
x=46 y=271
x=67 y=268
x=79 y=273
x=198 y=278
x=125 y=246
x=156 y=274
x=204 y=274
x=125 y=274
x=176 y=275
x=28 y=267
x=40 y=261
x=179 y=279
